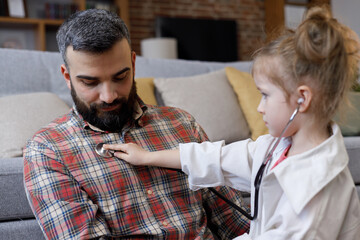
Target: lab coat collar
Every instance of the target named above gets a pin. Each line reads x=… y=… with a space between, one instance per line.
x=326 y=161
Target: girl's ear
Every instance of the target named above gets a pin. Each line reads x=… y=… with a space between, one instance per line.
x=66 y=75
x=305 y=93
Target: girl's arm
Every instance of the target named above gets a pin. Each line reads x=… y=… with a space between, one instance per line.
x=134 y=154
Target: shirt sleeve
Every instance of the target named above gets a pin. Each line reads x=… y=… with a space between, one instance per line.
x=223 y=220
x=62 y=208
x=210 y=164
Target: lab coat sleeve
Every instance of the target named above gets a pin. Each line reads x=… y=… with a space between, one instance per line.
x=321 y=218
x=213 y=164
x=245 y=236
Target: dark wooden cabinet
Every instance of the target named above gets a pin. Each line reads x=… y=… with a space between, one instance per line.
x=44 y=28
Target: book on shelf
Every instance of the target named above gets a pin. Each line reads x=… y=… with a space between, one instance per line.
x=4 y=8
x=106 y=5
x=59 y=11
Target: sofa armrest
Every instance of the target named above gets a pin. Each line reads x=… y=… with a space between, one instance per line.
x=13 y=201
x=353 y=148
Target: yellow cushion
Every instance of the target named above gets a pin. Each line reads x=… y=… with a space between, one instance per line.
x=249 y=98
x=146 y=90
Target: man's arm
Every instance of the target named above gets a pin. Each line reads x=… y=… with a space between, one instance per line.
x=223 y=220
x=62 y=208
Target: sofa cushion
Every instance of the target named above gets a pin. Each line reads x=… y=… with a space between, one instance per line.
x=249 y=98
x=146 y=90
x=211 y=100
x=22 y=115
x=18 y=230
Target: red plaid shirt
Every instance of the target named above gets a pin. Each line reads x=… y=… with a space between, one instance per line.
x=76 y=194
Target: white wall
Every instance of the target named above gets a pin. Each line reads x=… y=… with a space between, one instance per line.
x=348 y=13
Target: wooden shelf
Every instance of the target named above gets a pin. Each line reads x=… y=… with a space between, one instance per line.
x=41 y=27
x=12 y=20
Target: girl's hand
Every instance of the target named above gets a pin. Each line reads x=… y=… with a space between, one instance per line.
x=129 y=152
x=132 y=153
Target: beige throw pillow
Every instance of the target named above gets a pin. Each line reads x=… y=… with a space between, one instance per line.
x=211 y=100
x=22 y=115
x=249 y=98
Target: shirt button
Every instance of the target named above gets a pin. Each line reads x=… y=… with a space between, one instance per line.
x=149 y=192
x=164 y=223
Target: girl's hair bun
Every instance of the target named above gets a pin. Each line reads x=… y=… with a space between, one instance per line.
x=322 y=54
x=319 y=36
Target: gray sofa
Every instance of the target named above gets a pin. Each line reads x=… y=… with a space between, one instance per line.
x=26 y=72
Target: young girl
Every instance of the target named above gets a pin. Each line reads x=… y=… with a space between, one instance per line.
x=306 y=190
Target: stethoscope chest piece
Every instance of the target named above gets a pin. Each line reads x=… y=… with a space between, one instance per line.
x=103 y=152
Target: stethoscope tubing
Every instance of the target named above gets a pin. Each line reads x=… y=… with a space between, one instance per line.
x=260 y=172
x=105 y=153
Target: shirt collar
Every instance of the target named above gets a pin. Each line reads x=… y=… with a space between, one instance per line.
x=326 y=161
x=140 y=110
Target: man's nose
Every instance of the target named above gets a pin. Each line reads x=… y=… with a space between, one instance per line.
x=108 y=93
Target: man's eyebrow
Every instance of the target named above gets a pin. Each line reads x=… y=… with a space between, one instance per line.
x=96 y=78
x=121 y=71
x=87 y=77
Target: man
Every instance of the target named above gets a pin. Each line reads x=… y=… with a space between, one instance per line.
x=77 y=194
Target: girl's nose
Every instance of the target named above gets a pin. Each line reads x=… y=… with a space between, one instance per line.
x=260 y=107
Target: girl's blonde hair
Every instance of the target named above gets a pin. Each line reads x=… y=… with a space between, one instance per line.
x=320 y=53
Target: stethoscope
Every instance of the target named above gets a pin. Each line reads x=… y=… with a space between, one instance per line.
x=108 y=153
x=103 y=152
x=261 y=170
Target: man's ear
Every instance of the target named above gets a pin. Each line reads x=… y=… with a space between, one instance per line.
x=305 y=93
x=133 y=59
x=66 y=74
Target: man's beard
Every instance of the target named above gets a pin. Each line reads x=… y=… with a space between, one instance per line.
x=111 y=121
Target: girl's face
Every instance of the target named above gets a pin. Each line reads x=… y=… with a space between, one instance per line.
x=274 y=106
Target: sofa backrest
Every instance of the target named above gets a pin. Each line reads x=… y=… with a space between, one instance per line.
x=27 y=71
x=166 y=68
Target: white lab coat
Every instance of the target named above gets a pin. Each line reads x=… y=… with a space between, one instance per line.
x=307 y=196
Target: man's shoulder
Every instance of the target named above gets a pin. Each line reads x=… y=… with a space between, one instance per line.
x=173 y=120
x=56 y=128
x=161 y=112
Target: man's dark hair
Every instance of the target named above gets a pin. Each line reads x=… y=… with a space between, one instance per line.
x=92 y=30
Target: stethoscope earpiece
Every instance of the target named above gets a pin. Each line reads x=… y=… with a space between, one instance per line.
x=261 y=170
